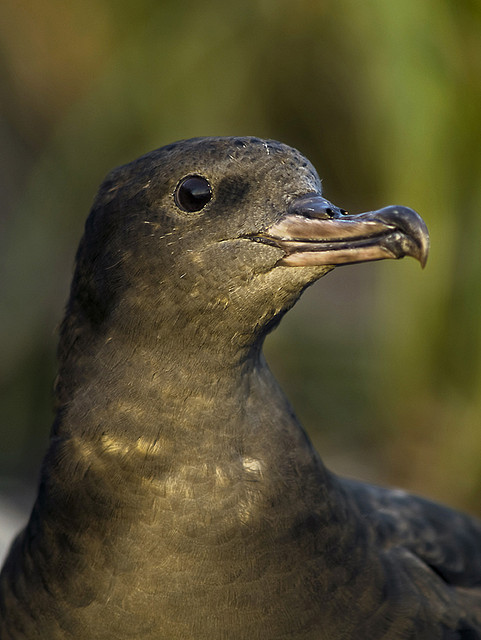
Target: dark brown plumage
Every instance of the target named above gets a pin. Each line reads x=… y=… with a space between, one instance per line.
x=179 y=497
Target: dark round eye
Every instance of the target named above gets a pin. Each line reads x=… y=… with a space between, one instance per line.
x=192 y=193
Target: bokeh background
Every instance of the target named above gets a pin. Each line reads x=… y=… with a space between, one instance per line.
x=382 y=362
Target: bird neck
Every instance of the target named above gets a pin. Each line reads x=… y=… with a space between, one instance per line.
x=146 y=436
x=156 y=405
x=166 y=389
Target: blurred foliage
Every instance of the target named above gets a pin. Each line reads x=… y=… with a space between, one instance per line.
x=382 y=362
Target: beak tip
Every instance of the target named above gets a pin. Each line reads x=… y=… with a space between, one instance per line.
x=410 y=224
x=424 y=248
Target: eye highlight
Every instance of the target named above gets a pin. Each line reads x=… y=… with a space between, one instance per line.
x=192 y=193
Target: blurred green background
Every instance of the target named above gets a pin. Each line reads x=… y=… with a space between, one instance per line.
x=382 y=362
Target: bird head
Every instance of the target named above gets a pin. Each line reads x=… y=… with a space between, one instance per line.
x=221 y=235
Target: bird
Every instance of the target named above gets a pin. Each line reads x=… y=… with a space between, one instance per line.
x=179 y=497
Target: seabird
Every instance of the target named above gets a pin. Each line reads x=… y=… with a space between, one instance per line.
x=180 y=497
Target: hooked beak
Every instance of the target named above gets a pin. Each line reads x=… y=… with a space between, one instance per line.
x=315 y=232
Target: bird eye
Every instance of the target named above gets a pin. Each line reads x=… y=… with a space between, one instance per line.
x=192 y=193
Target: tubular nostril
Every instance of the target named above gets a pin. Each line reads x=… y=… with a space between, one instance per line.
x=313 y=205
